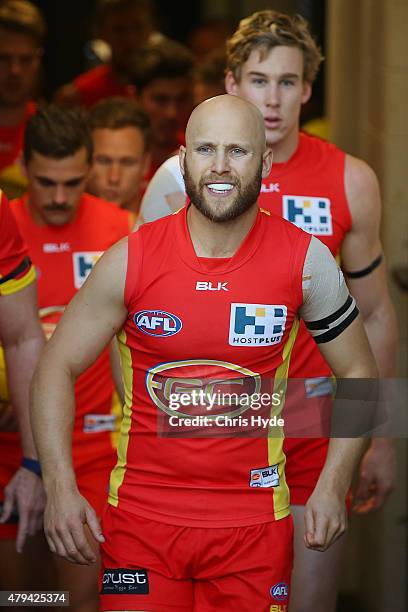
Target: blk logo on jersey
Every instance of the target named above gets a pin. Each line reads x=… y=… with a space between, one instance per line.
x=270 y=187
x=310 y=214
x=257 y=324
x=157 y=323
x=264 y=477
x=211 y=286
x=83 y=264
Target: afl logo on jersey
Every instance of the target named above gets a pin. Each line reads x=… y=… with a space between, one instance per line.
x=280 y=591
x=157 y=323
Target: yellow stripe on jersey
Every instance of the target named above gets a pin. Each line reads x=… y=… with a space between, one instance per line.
x=118 y=472
x=266 y=212
x=276 y=434
x=17 y=284
x=117 y=412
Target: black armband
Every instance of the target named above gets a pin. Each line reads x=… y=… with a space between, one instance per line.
x=332 y=326
x=22 y=267
x=373 y=265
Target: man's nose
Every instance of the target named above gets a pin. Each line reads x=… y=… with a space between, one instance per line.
x=221 y=162
x=114 y=173
x=60 y=194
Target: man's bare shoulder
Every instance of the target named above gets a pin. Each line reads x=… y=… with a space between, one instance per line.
x=362 y=188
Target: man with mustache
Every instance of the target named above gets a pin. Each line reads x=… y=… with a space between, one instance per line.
x=199 y=299
x=66 y=231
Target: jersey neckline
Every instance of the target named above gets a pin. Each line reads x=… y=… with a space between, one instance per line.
x=245 y=251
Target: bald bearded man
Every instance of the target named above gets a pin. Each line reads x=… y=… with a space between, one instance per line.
x=194 y=513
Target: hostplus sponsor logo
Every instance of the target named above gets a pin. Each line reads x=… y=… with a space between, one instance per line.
x=83 y=263
x=257 y=324
x=157 y=323
x=309 y=213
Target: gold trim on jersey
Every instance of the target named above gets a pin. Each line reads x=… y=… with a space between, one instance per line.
x=118 y=473
x=276 y=434
x=14 y=285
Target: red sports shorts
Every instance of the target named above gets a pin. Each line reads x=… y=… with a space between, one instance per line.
x=157 y=567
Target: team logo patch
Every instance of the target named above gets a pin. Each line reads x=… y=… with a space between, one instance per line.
x=310 y=214
x=257 y=324
x=209 y=377
x=264 y=477
x=94 y=423
x=83 y=264
x=319 y=387
x=157 y=323
x=123 y=581
x=280 y=591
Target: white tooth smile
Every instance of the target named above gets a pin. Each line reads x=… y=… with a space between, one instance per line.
x=220 y=187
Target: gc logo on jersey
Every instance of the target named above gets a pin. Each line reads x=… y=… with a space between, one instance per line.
x=257 y=324
x=83 y=264
x=157 y=323
x=310 y=214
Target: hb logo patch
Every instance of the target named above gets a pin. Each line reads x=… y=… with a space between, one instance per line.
x=83 y=264
x=256 y=324
x=310 y=214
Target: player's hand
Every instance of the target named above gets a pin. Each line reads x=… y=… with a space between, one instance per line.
x=325 y=519
x=377 y=476
x=25 y=492
x=65 y=515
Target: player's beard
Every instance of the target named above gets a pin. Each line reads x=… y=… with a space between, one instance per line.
x=223 y=211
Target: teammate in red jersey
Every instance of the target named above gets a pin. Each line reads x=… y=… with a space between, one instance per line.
x=192 y=521
x=66 y=232
x=272 y=61
x=161 y=73
x=126 y=25
x=21 y=339
x=22 y=32
x=121 y=143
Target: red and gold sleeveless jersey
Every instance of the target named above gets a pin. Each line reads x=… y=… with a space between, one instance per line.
x=12 y=177
x=16 y=271
x=308 y=190
x=63 y=257
x=214 y=325
x=99 y=83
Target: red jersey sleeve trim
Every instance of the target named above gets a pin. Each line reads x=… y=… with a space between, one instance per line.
x=298 y=261
x=134 y=269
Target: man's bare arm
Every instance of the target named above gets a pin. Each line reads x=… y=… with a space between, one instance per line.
x=22 y=340
x=349 y=356
x=331 y=316
x=361 y=249
x=165 y=193
x=95 y=314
